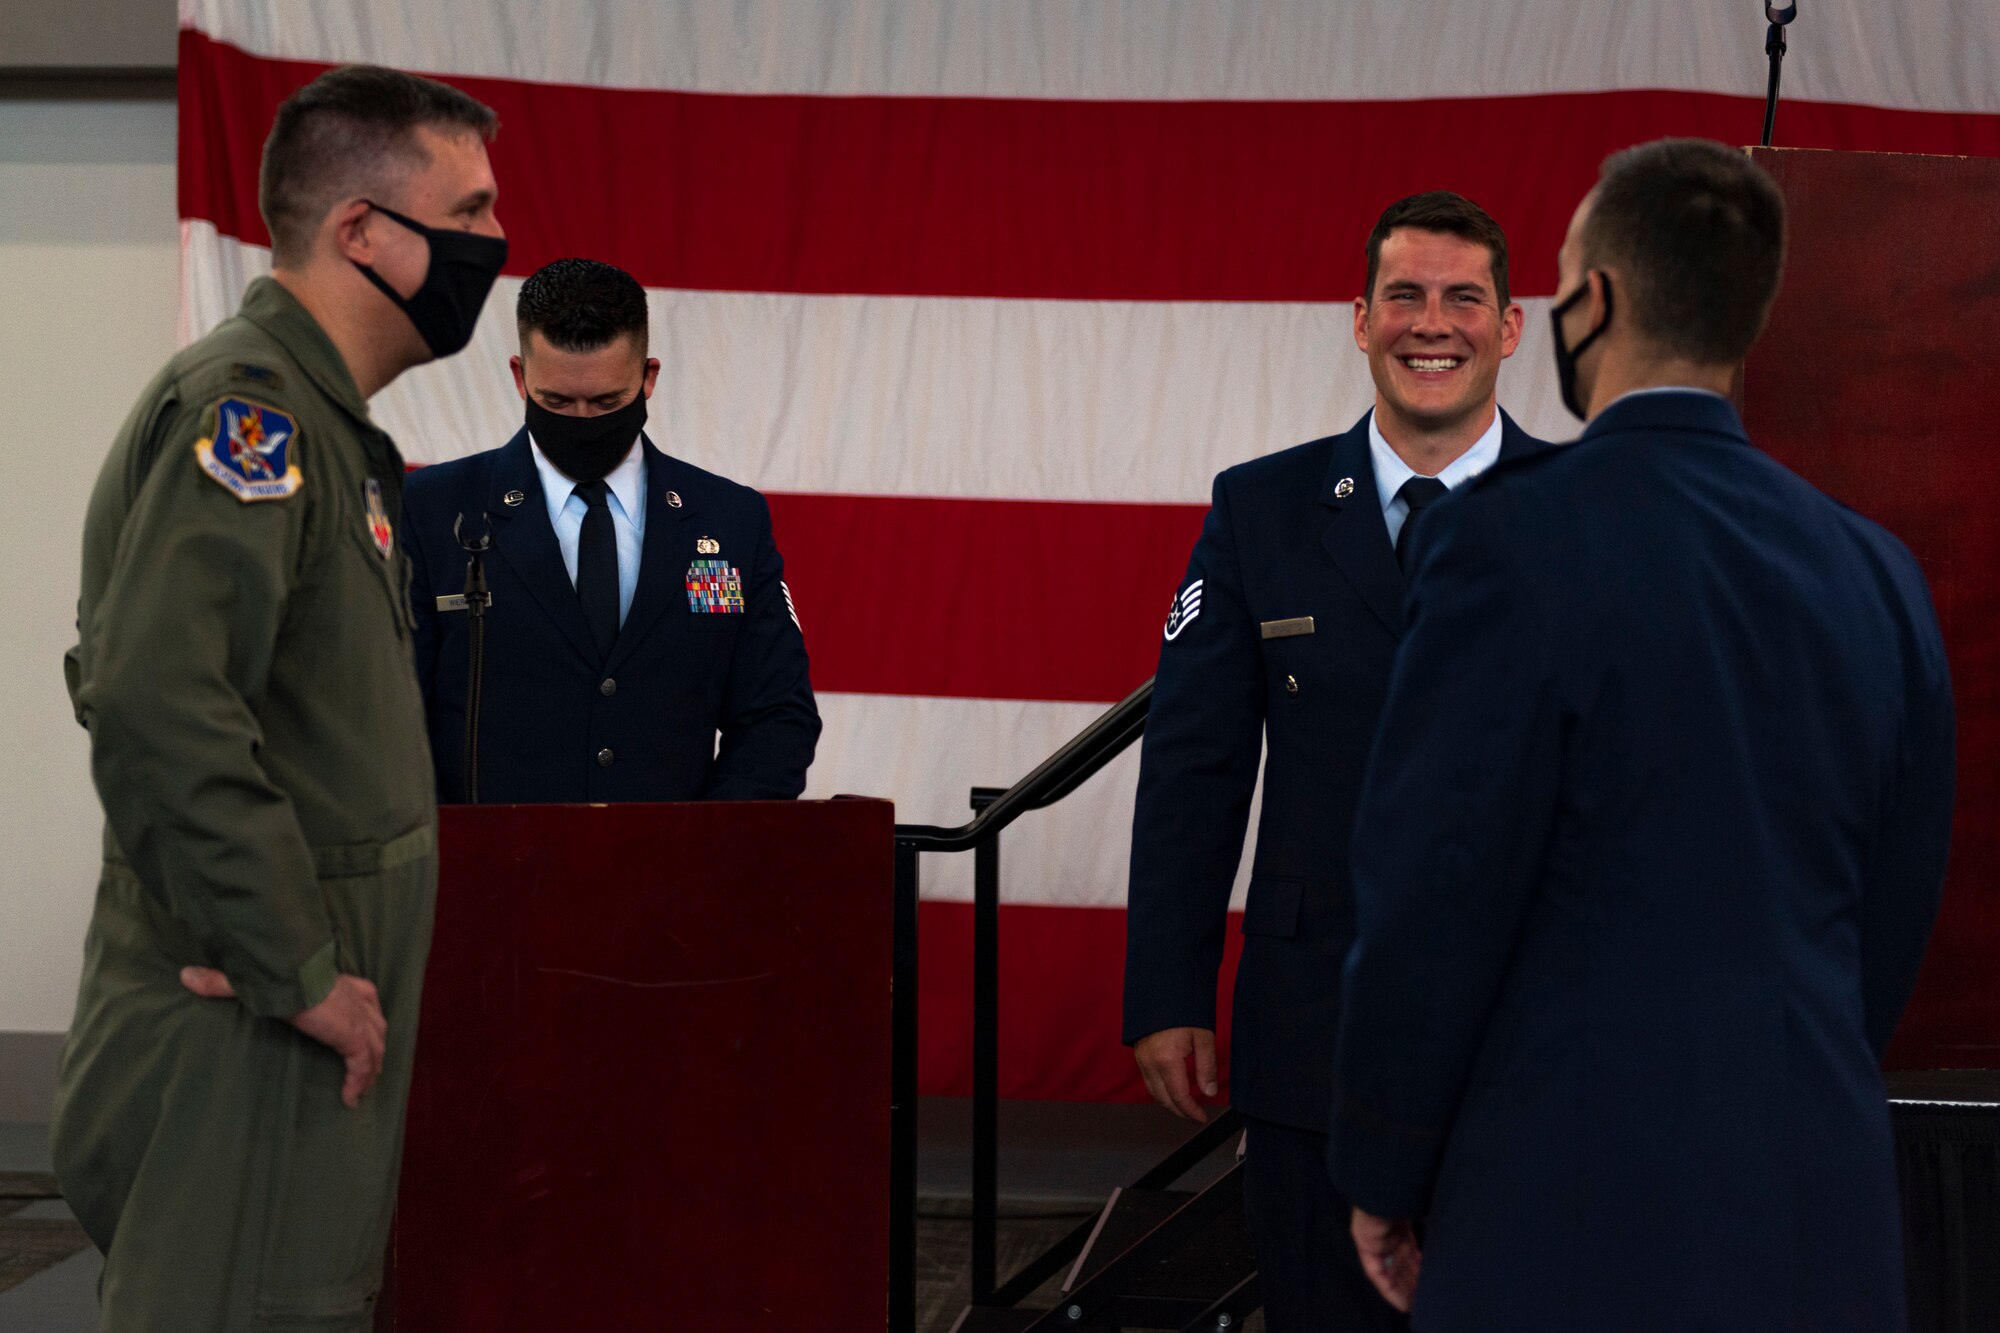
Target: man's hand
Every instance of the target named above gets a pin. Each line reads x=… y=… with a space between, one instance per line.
x=1163 y=1061
x=349 y=1020
x=1390 y=1257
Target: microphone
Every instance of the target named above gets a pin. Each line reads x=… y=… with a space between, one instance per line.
x=1774 y=47
x=477 y=599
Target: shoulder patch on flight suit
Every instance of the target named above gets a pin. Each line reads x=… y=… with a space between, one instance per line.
x=247 y=450
x=1187 y=605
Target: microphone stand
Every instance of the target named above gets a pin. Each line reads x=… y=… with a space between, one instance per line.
x=477 y=599
x=1774 y=47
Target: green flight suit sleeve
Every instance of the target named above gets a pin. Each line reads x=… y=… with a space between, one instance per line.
x=181 y=645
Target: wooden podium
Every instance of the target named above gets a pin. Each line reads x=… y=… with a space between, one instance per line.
x=652 y=1083
x=1874 y=382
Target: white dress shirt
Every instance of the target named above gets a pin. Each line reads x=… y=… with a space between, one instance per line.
x=1391 y=471
x=627 y=502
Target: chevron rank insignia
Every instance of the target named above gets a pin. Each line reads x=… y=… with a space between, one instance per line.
x=248 y=451
x=1187 y=605
x=790 y=609
x=714 y=587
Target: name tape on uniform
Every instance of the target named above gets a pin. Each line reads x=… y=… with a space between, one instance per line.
x=1286 y=629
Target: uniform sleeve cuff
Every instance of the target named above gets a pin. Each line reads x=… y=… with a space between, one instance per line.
x=312 y=983
x=1383 y=1167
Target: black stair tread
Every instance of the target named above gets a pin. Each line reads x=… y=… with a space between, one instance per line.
x=1128 y=1215
x=997 y=1319
x=1197 y=1252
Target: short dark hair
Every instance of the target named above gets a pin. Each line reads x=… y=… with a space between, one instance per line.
x=1697 y=231
x=351 y=132
x=579 y=305
x=1444 y=211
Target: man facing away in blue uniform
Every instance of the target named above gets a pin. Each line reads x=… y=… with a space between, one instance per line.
x=639 y=609
x=1655 y=833
x=1281 y=637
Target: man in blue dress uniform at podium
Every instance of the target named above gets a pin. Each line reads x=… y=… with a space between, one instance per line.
x=639 y=610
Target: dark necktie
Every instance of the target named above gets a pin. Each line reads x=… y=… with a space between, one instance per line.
x=597 y=567
x=1419 y=493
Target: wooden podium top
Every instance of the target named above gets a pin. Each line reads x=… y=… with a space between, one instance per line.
x=652 y=1083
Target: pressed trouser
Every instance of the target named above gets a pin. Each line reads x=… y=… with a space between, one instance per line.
x=1307 y=1269
x=207 y=1151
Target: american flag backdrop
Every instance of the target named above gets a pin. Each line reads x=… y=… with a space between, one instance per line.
x=982 y=293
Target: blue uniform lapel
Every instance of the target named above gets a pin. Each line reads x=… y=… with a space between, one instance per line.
x=1358 y=539
x=524 y=538
x=1515 y=442
x=660 y=583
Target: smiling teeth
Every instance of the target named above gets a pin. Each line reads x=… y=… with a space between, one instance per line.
x=1433 y=363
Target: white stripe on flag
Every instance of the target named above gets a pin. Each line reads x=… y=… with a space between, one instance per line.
x=1117 y=401
x=1933 y=56
x=927 y=754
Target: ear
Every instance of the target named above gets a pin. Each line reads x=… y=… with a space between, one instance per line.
x=1594 y=280
x=1361 y=323
x=652 y=375
x=520 y=380
x=1511 y=320
x=351 y=235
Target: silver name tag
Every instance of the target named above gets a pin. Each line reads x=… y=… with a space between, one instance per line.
x=452 y=602
x=1271 y=629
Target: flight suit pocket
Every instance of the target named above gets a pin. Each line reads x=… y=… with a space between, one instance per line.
x=329 y=1196
x=1273 y=907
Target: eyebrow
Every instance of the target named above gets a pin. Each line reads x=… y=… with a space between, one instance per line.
x=1406 y=285
x=477 y=199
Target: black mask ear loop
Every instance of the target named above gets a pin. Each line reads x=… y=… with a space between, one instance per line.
x=1566 y=357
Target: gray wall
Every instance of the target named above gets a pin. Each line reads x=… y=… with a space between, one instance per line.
x=89 y=290
x=109 y=35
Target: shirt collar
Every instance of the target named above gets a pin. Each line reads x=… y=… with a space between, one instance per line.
x=627 y=481
x=1661 y=388
x=1391 y=471
x=269 y=305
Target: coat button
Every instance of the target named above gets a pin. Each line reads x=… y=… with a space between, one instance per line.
x=1291 y=685
x=604 y=757
x=607 y=687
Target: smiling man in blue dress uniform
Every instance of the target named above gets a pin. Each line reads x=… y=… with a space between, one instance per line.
x=1280 y=638
x=641 y=643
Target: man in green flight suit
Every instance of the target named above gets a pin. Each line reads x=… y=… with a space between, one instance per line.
x=228 y=1120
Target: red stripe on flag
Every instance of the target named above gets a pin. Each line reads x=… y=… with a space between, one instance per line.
x=982 y=599
x=938 y=196
x=1060 y=982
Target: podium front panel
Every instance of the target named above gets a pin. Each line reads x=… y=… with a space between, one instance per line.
x=1874 y=383
x=652 y=1084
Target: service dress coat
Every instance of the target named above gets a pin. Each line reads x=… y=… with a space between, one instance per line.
x=712 y=644
x=1659 y=812
x=1279 y=640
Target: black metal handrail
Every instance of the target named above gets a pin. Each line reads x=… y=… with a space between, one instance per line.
x=1061 y=773
x=1054 y=778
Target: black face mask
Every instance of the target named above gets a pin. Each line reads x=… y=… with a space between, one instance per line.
x=463 y=266
x=1566 y=356
x=587 y=448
